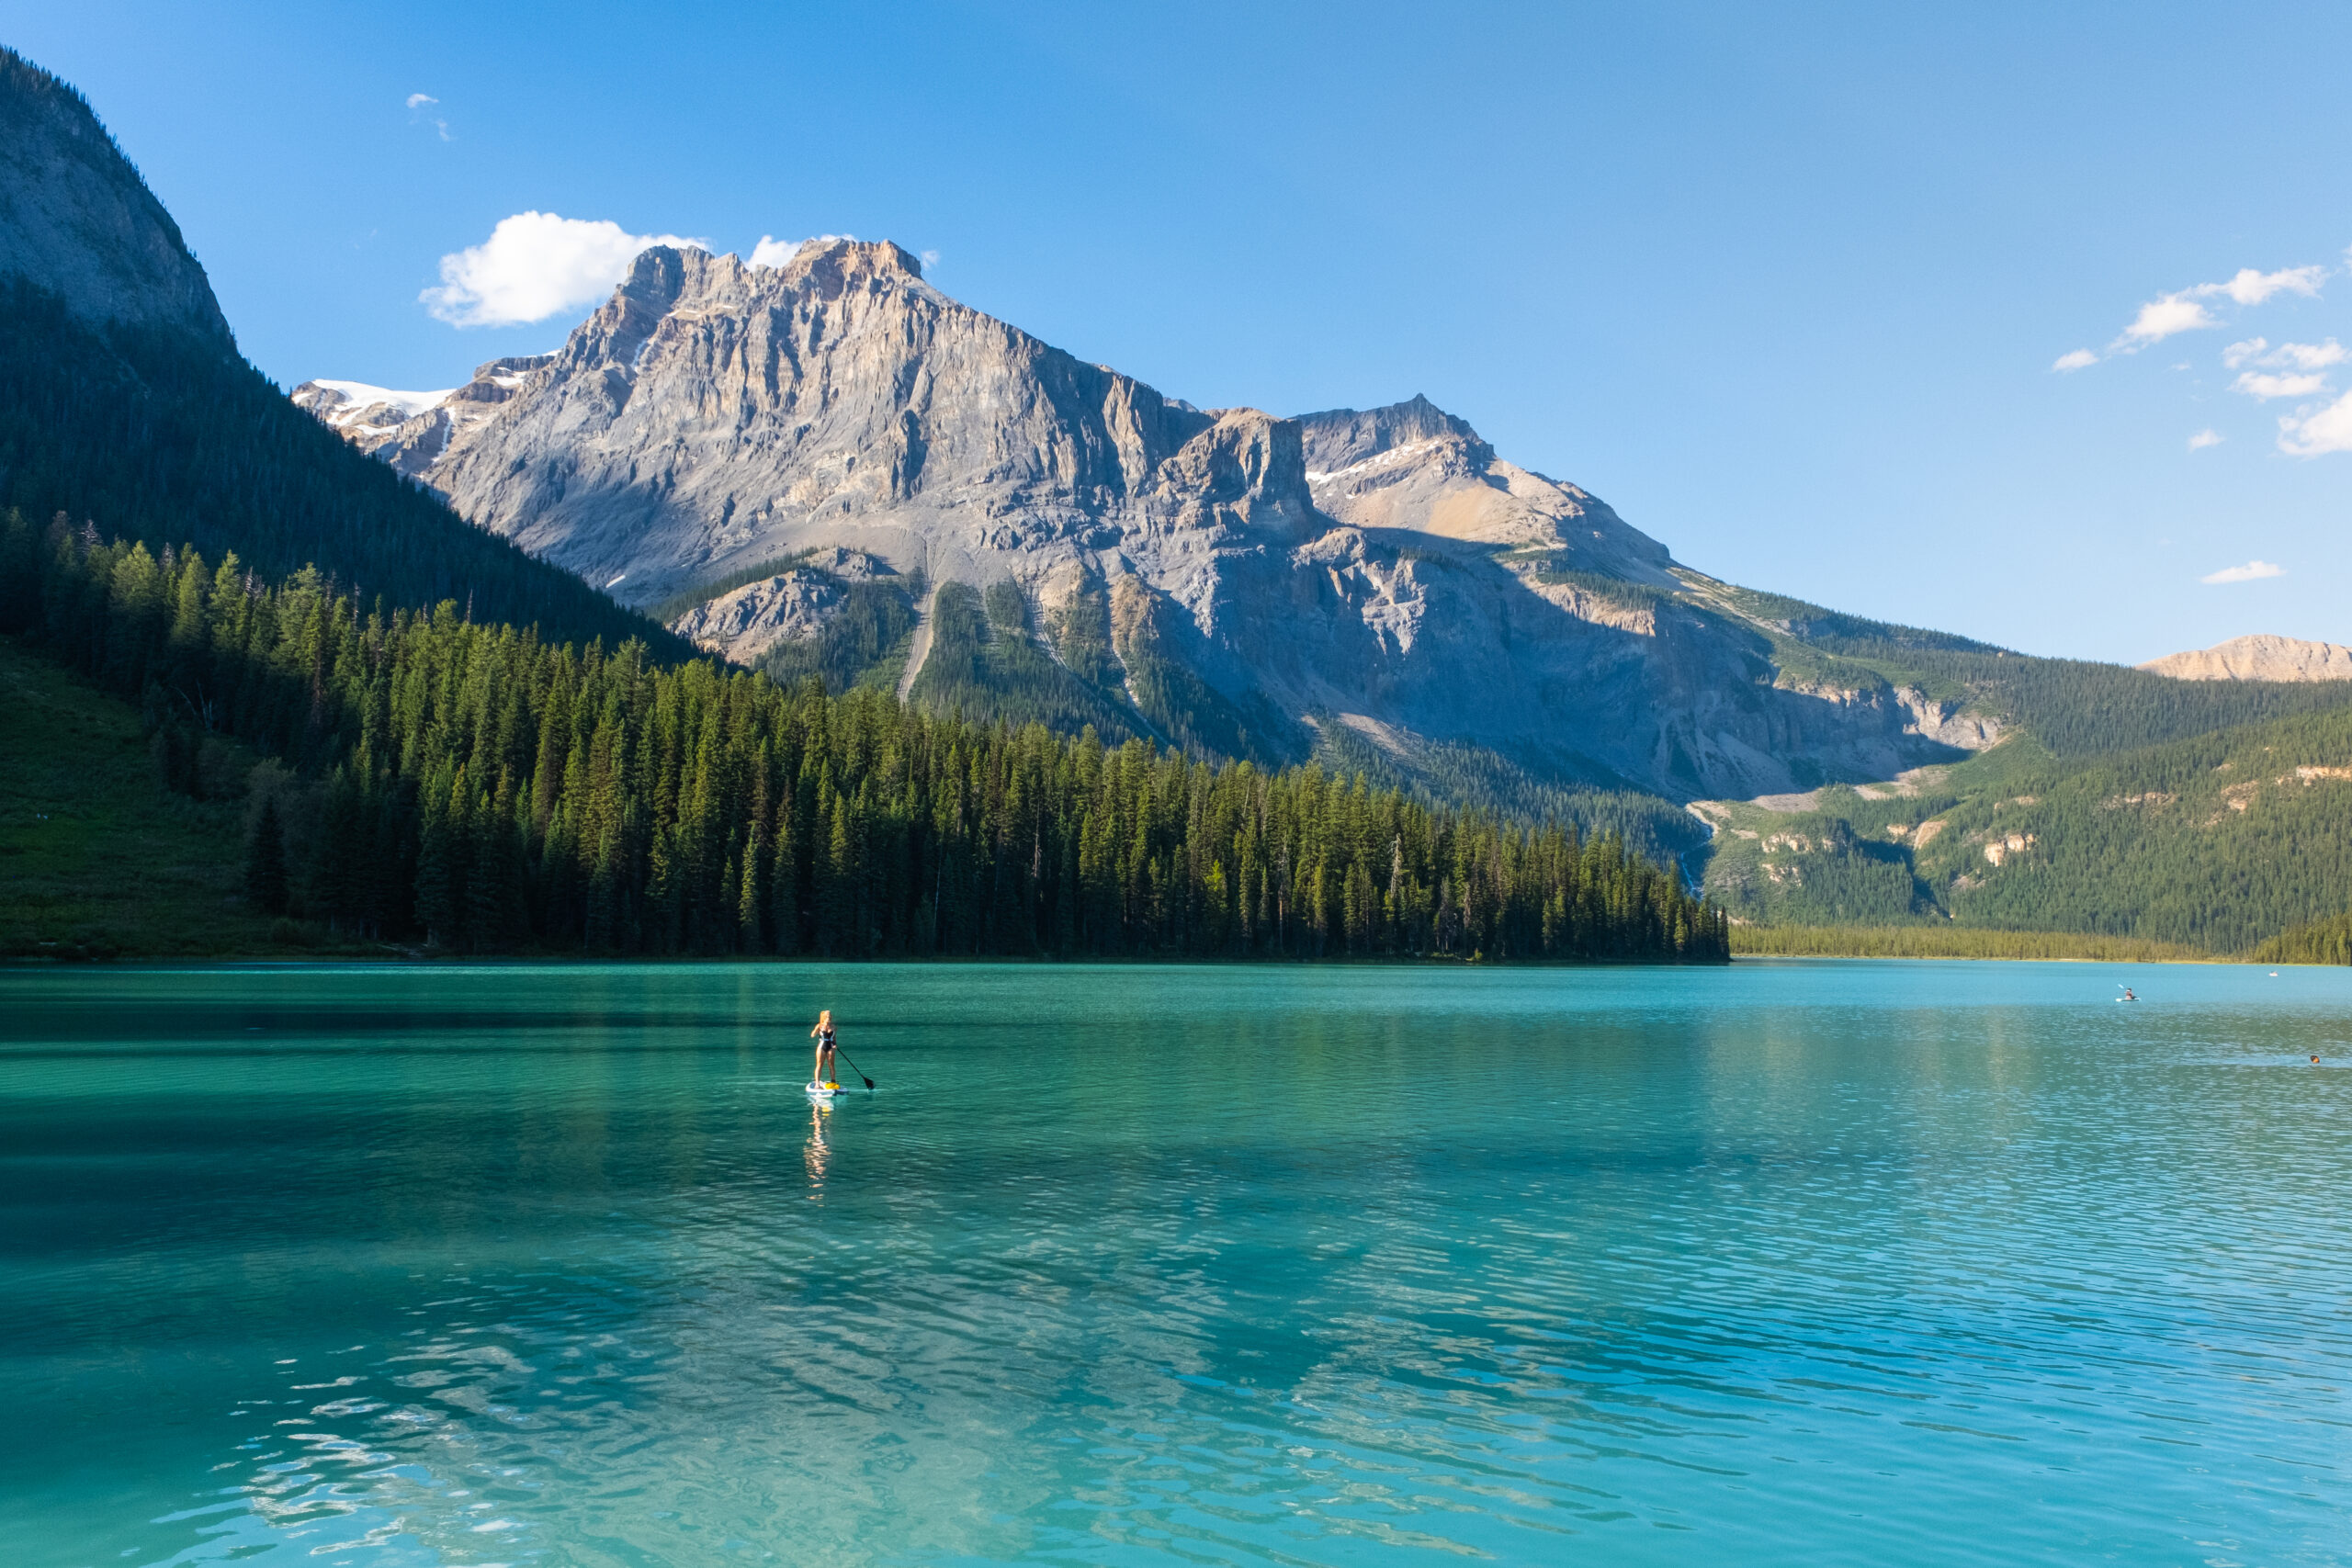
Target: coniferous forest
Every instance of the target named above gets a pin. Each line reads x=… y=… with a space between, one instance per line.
x=474 y=788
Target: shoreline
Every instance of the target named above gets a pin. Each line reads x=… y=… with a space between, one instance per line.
x=275 y=960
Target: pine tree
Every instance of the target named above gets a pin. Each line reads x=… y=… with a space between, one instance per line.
x=265 y=861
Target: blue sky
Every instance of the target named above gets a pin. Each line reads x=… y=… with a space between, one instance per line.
x=1783 y=285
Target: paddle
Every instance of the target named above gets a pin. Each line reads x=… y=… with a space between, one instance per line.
x=852 y=1068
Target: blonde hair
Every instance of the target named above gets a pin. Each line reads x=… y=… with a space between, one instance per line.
x=824 y=1016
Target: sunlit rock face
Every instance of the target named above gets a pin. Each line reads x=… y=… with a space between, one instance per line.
x=1256 y=583
x=2259 y=658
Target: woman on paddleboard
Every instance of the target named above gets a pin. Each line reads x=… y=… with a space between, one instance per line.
x=823 y=1035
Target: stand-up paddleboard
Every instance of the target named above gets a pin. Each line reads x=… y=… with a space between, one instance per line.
x=823 y=1091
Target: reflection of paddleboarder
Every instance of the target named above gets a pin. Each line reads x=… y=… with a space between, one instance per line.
x=816 y=1154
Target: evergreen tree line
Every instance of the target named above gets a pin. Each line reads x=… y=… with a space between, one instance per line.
x=485 y=791
x=2218 y=841
x=172 y=438
x=2322 y=942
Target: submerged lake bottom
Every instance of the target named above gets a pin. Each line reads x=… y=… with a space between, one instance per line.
x=1791 y=1262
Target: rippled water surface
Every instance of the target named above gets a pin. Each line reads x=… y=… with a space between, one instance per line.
x=1793 y=1263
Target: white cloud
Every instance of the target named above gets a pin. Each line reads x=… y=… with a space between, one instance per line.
x=2078 y=359
x=2252 y=288
x=2316 y=435
x=2249 y=573
x=930 y=260
x=2204 y=438
x=2305 y=355
x=533 y=265
x=2267 y=386
x=2311 y=355
x=2161 y=318
x=2286 y=357
x=771 y=251
x=418 y=100
x=2184 y=311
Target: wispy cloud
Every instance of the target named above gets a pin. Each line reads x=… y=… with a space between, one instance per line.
x=2318 y=432
x=2286 y=357
x=2267 y=385
x=533 y=265
x=2204 y=438
x=2190 y=309
x=2251 y=571
x=420 y=107
x=2252 y=288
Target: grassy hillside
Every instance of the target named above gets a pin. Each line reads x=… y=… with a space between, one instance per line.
x=2216 y=841
x=99 y=858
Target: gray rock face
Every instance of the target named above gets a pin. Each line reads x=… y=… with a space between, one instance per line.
x=76 y=218
x=1245 y=582
x=712 y=415
x=794 y=603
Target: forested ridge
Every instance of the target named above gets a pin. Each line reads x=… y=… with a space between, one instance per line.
x=2073 y=707
x=171 y=438
x=484 y=790
x=2217 y=842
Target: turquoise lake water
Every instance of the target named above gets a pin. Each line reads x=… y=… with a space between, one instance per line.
x=1789 y=1263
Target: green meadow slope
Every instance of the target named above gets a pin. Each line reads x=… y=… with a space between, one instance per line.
x=100 y=857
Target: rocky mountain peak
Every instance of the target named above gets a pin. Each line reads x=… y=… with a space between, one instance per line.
x=76 y=219
x=835 y=262
x=800 y=462
x=2259 y=658
x=1340 y=438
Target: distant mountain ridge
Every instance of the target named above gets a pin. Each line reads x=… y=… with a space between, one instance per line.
x=2259 y=658
x=1257 y=586
x=413 y=431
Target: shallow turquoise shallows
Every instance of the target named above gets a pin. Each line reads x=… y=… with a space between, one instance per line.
x=1788 y=1263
